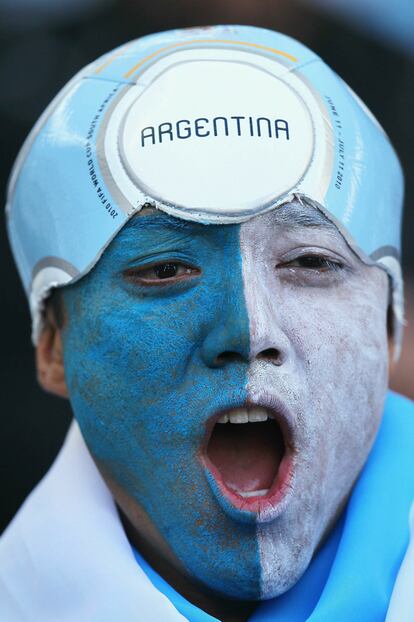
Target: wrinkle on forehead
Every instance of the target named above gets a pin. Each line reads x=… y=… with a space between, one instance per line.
x=296 y=213
x=300 y=214
x=151 y=217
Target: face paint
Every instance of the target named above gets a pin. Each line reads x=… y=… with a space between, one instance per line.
x=328 y=327
x=180 y=324
x=143 y=381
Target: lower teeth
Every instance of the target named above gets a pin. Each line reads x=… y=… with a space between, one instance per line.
x=253 y=493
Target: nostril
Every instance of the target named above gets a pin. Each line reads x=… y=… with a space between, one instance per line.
x=271 y=354
x=227 y=357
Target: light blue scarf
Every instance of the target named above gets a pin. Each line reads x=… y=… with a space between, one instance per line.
x=353 y=575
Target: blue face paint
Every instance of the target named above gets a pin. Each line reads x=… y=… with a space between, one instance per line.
x=143 y=378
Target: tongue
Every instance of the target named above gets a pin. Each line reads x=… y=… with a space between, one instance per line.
x=248 y=455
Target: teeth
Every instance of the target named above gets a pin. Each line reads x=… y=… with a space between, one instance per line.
x=245 y=415
x=253 y=493
x=239 y=415
x=257 y=414
x=223 y=419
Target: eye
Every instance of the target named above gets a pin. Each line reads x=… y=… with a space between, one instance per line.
x=161 y=273
x=168 y=270
x=317 y=263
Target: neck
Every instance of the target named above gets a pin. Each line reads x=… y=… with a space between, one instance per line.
x=221 y=608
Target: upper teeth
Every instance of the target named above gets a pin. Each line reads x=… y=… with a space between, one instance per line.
x=245 y=415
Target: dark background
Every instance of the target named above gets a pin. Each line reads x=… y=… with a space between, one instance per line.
x=43 y=43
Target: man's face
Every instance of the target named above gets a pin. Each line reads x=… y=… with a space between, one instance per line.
x=180 y=324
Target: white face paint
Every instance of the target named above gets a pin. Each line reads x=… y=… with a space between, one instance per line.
x=318 y=346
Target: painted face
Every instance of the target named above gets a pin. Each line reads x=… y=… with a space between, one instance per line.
x=230 y=380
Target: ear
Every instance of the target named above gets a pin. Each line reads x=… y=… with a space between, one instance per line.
x=49 y=361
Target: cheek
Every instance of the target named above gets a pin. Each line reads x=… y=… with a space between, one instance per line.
x=341 y=347
x=349 y=344
x=344 y=351
x=122 y=373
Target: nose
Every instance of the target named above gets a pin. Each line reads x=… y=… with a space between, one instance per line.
x=272 y=355
x=256 y=336
x=227 y=342
x=269 y=340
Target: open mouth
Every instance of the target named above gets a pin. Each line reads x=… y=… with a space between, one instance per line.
x=248 y=455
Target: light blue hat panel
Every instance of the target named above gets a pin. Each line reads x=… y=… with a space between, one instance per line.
x=213 y=124
x=62 y=209
x=366 y=189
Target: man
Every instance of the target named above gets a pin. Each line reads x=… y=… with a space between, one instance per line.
x=205 y=206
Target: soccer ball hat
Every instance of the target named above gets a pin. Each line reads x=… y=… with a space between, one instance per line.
x=214 y=125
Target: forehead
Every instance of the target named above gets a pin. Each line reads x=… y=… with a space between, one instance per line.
x=293 y=216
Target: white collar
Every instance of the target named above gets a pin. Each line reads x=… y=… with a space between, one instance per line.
x=65 y=555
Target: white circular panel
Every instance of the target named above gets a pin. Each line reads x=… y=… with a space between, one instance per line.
x=215 y=135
